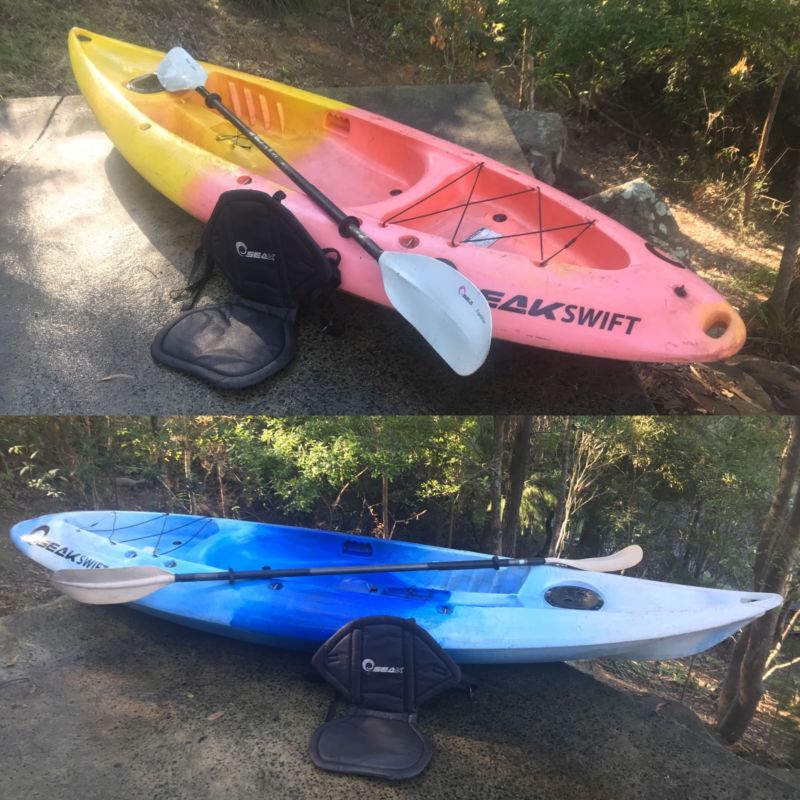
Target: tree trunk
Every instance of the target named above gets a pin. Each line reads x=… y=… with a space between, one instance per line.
x=783 y=627
x=517 y=475
x=494 y=537
x=385 y=507
x=779 y=508
x=758 y=164
x=221 y=485
x=561 y=517
x=742 y=688
x=590 y=540
x=187 y=469
x=452 y=519
x=791 y=247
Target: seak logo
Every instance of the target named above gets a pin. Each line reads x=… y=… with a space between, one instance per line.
x=368 y=665
x=39 y=538
x=241 y=249
x=570 y=313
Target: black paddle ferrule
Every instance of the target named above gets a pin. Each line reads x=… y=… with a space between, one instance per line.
x=346 y=227
x=231 y=575
x=496 y=562
x=211 y=98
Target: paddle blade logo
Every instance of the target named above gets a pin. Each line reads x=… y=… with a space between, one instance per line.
x=462 y=290
x=368 y=665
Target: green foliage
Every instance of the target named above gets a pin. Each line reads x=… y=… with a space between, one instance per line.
x=694 y=75
x=691 y=491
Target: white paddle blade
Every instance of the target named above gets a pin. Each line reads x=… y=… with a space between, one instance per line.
x=178 y=71
x=623 y=559
x=128 y=584
x=445 y=307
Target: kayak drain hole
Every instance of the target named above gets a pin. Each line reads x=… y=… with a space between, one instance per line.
x=145 y=126
x=170 y=564
x=82 y=37
x=130 y=554
x=499 y=217
x=409 y=242
x=395 y=192
x=243 y=180
x=445 y=609
x=717 y=329
x=276 y=587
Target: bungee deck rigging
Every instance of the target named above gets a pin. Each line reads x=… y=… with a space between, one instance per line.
x=400 y=217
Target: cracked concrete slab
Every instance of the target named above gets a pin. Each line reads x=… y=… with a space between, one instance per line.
x=103 y=702
x=92 y=255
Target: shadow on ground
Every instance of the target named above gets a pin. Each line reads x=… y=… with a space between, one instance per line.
x=104 y=702
x=95 y=255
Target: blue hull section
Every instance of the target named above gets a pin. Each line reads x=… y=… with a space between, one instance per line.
x=478 y=616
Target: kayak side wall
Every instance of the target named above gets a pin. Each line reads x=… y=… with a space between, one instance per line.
x=624 y=313
x=491 y=628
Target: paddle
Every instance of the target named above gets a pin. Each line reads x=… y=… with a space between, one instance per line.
x=126 y=584
x=448 y=310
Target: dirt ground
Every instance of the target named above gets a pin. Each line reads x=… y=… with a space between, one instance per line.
x=773 y=737
x=23 y=584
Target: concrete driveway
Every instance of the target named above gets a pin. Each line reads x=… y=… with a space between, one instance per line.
x=100 y=702
x=91 y=254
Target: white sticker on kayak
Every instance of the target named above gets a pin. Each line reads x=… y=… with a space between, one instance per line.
x=484 y=237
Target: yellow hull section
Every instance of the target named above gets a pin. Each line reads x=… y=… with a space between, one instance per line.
x=143 y=125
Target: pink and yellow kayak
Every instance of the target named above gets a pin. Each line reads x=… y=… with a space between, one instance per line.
x=556 y=273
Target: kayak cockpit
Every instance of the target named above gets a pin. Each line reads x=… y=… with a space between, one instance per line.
x=317 y=136
x=495 y=207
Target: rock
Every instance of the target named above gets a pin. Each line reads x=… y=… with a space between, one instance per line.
x=779 y=380
x=123 y=482
x=575 y=183
x=756 y=399
x=677 y=712
x=636 y=205
x=542 y=136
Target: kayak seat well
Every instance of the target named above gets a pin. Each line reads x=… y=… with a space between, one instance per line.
x=487 y=581
x=493 y=206
x=335 y=147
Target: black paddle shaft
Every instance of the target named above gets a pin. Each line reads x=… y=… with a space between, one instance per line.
x=348 y=226
x=359 y=569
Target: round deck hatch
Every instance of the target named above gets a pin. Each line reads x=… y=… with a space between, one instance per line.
x=573 y=597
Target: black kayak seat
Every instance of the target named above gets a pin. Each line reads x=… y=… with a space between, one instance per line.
x=385 y=668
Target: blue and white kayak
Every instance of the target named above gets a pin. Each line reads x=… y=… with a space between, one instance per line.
x=507 y=615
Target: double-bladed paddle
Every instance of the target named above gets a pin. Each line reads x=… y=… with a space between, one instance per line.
x=448 y=310
x=126 y=584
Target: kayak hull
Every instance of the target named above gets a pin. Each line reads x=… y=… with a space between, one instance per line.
x=478 y=616
x=560 y=276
